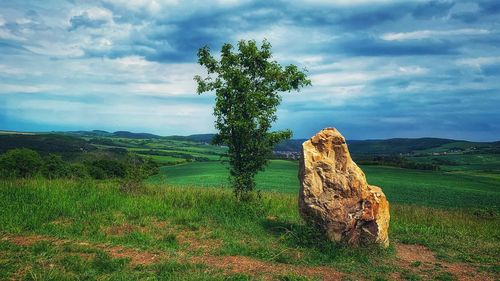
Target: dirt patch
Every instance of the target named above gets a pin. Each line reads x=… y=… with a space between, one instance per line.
x=150 y=227
x=246 y=265
x=26 y=240
x=229 y=264
x=421 y=261
x=414 y=253
x=197 y=242
x=414 y=259
x=120 y=230
x=62 y=222
x=136 y=257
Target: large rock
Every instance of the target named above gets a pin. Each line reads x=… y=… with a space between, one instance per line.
x=335 y=196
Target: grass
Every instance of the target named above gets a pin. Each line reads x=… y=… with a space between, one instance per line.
x=85 y=221
x=45 y=261
x=429 y=188
x=479 y=162
x=281 y=175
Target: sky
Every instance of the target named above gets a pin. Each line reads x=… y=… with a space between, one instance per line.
x=379 y=69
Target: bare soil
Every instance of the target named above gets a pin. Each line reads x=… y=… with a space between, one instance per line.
x=416 y=259
x=422 y=261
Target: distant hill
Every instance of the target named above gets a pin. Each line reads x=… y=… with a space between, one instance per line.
x=395 y=146
x=93 y=133
x=127 y=134
x=400 y=146
x=118 y=134
x=201 y=137
x=72 y=141
x=45 y=143
x=293 y=145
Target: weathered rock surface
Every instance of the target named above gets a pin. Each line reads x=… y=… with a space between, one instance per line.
x=335 y=196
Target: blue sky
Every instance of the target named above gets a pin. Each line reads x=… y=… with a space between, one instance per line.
x=379 y=69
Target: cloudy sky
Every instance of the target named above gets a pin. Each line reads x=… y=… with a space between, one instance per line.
x=379 y=69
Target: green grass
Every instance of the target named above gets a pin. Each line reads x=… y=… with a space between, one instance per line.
x=165 y=160
x=84 y=215
x=277 y=177
x=429 y=188
x=436 y=189
x=46 y=261
x=465 y=162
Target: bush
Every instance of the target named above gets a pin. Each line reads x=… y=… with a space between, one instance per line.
x=20 y=163
x=78 y=171
x=138 y=169
x=25 y=163
x=106 y=169
x=54 y=167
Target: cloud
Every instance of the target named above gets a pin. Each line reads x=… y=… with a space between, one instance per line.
x=365 y=18
x=370 y=46
x=424 y=34
x=432 y=9
x=379 y=68
x=90 y=18
x=489 y=7
x=488 y=66
x=467 y=17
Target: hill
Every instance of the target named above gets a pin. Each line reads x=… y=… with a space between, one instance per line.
x=207 y=138
x=45 y=143
x=127 y=134
x=402 y=146
x=119 y=134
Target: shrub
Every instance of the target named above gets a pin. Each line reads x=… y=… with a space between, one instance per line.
x=20 y=163
x=138 y=169
x=106 y=169
x=54 y=167
x=78 y=171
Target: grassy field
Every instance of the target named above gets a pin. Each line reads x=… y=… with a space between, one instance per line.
x=186 y=225
x=485 y=163
x=68 y=230
x=428 y=188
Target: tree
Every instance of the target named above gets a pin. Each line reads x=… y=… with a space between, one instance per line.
x=55 y=167
x=247 y=84
x=20 y=163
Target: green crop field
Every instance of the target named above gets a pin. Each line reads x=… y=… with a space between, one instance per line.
x=485 y=163
x=431 y=188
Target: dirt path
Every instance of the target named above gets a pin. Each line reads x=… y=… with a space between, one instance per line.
x=422 y=261
x=253 y=267
x=415 y=259
x=229 y=264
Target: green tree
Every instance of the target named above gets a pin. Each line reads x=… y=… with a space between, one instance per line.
x=54 y=167
x=138 y=169
x=20 y=163
x=247 y=84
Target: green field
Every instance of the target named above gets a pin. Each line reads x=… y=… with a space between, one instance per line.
x=430 y=188
x=70 y=230
x=484 y=163
x=185 y=224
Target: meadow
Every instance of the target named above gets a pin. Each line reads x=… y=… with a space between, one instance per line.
x=74 y=230
x=185 y=223
x=404 y=186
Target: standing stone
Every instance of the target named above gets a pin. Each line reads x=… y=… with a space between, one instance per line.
x=335 y=196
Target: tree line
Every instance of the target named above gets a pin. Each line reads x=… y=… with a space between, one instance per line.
x=26 y=163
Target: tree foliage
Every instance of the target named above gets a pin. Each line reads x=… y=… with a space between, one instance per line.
x=55 y=167
x=20 y=163
x=247 y=85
